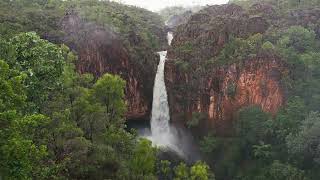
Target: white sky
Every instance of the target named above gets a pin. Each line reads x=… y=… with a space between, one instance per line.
x=155 y=5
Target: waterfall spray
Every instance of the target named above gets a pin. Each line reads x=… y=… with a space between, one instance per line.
x=161 y=131
x=163 y=134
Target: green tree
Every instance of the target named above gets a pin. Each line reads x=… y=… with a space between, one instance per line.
x=238 y=49
x=80 y=132
x=305 y=143
x=109 y=92
x=209 y=144
x=101 y=106
x=12 y=91
x=296 y=38
x=268 y=46
x=41 y=61
x=165 y=169
x=181 y=172
x=280 y=171
x=289 y=119
x=200 y=171
x=22 y=138
x=68 y=146
x=262 y=151
x=251 y=125
x=21 y=159
x=143 y=162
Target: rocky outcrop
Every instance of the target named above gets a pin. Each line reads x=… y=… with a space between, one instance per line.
x=219 y=92
x=212 y=27
x=101 y=50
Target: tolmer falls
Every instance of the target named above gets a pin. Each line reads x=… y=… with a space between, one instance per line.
x=164 y=134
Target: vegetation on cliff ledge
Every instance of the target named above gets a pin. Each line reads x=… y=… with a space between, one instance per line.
x=258 y=145
x=139 y=30
x=58 y=124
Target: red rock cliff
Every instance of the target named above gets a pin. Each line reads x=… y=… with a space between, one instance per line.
x=100 y=51
x=220 y=92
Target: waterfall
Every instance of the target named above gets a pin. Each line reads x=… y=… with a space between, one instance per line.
x=170 y=37
x=163 y=134
x=160 y=128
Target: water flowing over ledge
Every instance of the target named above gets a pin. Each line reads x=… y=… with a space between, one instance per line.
x=163 y=134
x=161 y=131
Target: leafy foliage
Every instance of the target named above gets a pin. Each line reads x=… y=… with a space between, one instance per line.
x=282 y=171
x=251 y=125
x=22 y=147
x=80 y=133
x=306 y=143
x=200 y=171
x=282 y=5
x=143 y=164
x=181 y=172
x=58 y=124
x=239 y=49
x=209 y=144
x=42 y=63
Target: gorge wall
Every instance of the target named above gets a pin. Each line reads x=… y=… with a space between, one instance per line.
x=199 y=86
x=218 y=92
x=221 y=94
x=101 y=50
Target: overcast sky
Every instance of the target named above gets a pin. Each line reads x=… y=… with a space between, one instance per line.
x=155 y=5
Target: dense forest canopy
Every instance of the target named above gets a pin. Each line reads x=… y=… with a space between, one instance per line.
x=57 y=123
x=281 y=4
x=260 y=145
x=44 y=17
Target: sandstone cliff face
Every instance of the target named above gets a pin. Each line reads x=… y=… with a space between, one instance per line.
x=100 y=51
x=220 y=92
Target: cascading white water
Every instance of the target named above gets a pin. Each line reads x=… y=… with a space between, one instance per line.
x=160 y=118
x=161 y=131
x=163 y=134
x=169 y=38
